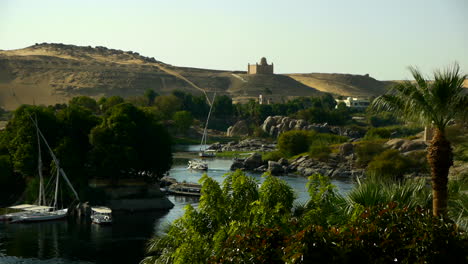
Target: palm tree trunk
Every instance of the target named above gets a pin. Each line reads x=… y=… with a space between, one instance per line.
x=440 y=158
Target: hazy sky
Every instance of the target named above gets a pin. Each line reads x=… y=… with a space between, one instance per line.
x=377 y=37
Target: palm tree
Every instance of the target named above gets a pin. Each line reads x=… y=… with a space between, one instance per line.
x=436 y=103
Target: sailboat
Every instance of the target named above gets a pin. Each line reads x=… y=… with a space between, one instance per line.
x=44 y=211
x=203 y=153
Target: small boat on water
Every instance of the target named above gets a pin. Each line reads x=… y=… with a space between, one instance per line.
x=197 y=165
x=191 y=189
x=208 y=153
x=203 y=153
x=101 y=215
x=39 y=216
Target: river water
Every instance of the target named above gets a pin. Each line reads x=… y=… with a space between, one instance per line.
x=71 y=242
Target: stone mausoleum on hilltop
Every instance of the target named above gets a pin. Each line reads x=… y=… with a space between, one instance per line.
x=262 y=68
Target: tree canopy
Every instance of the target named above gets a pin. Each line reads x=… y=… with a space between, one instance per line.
x=129 y=141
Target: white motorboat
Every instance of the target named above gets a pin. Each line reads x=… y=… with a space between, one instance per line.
x=197 y=165
x=101 y=215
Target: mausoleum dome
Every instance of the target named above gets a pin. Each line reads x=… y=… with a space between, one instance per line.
x=263 y=61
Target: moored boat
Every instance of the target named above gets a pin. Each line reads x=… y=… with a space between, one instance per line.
x=197 y=165
x=101 y=215
x=191 y=189
x=40 y=216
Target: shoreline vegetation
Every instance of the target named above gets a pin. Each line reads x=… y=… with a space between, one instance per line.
x=392 y=213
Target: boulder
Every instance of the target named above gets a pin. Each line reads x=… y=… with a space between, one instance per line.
x=240 y=128
x=275 y=168
x=346 y=149
x=237 y=164
x=283 y=162
x=268 y=123
x=396 y=143
x=413 y=145
x=215 y=146
x=262 y=168
x=253 y=161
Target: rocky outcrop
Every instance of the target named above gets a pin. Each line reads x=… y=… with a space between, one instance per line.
x=244 y=145
x=250 y=163
x=275 y=125
x=336 y=167
x=239 y=129
x=253 y=161
x=339 y=165
x=406 y=145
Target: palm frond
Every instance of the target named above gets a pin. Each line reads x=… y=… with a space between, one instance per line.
x=424 y=101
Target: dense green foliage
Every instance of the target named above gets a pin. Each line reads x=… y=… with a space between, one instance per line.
x=239 y=222
x=389 y=163
x=294 y=142
x=183 y=120
x=391 y=132
x=10 y=183
x=125 y=142
x=129 y=141
x=367 y=150
x=299 y=141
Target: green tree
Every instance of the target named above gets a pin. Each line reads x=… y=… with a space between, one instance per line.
x=11 y=184
x=86 y=102
x=168 y=105
x=183 y=120
x=224 y=212
x=222 y=106
x=150 y=95
x=434 y=103
x=130 y=143
x=73 y=146
x=21 y=138
x=110 y=102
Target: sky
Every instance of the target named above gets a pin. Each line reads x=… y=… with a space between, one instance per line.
x=376 y=37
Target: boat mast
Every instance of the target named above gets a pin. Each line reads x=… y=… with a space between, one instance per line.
x=56 y=183
x=203 y=141
x=56 y=162
x=41 y=199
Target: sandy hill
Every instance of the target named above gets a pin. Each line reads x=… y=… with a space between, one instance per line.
x=343 y=84
x=54 y=73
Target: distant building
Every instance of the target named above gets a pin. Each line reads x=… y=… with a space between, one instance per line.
x=353 y=102
x=262 y=100
x=262 y=68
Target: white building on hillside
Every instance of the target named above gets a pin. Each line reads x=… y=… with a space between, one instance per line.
x=354 y=102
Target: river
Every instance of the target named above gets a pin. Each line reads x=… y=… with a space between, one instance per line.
x=71 y=242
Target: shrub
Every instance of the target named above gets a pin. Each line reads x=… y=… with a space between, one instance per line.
x=383 y=119
x=259 y=133
x=321 y=139
x=273 y=155
x=366 y=150
x=389 y=164
x=183 y=120
x=382 y=234
x=391 y=132
x=320 y=152
x=374 y=191
x=376 y=133
x=294 y=142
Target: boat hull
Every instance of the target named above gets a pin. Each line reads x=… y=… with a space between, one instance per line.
x=41 y=217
